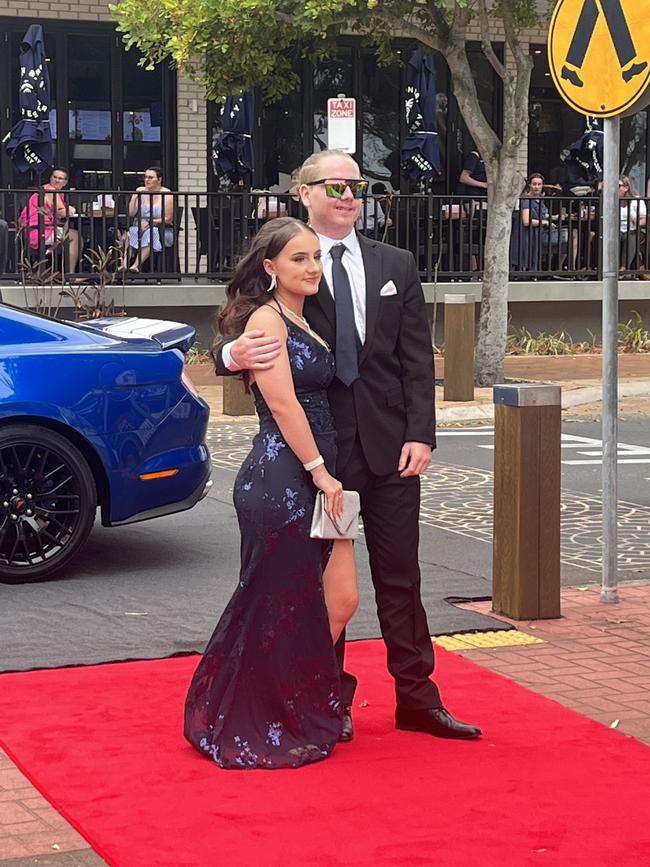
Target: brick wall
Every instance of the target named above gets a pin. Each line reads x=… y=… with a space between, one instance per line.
x=192 y=156
x=70 y=11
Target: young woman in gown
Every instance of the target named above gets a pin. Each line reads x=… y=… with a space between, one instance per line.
x=266 y=692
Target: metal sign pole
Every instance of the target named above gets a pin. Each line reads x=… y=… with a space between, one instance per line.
x=611 y=207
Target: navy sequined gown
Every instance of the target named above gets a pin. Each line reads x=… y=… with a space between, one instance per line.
x=266 y=692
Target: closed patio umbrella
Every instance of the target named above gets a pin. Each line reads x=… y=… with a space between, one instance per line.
x=421 y=149
x=29 y=144
x=233 y=149
x=585 y=159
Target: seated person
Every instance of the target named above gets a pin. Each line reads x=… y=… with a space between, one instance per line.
x=4 y=245
x=295 y=207
x=539 y=229
x=52 y=212
x=633 y=215
x=155 y=214
x=472 y=181
x=372 y=218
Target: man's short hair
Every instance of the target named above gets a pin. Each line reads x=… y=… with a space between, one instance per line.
x=60 y=169
x=309 y=169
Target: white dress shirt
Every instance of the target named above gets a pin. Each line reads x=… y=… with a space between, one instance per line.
x=353 y=263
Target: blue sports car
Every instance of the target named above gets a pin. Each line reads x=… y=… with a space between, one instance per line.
x=92 y=414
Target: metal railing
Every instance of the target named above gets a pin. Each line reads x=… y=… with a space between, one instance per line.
x=200 y=236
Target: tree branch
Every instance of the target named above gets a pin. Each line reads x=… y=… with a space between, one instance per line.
x=462 y=17
x=439 y=19
x=486 y=42
x=523 y=64
x=408 y=29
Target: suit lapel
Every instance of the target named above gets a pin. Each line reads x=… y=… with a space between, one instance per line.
x=372 y=267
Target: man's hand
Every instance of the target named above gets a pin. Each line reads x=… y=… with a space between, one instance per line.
x=254 y=351
x=414 y=459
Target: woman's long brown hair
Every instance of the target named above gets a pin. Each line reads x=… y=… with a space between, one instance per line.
x=248 y=288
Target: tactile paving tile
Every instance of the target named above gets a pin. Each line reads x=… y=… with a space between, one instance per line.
x=483 y=640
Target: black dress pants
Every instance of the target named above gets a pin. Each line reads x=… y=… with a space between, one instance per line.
x=390 y=508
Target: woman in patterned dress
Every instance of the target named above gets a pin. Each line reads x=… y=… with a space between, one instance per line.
x=266 y=692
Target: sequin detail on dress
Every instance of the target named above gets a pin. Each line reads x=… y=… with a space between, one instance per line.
x=266 y=692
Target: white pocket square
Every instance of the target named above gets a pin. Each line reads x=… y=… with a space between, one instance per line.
x=388 y=289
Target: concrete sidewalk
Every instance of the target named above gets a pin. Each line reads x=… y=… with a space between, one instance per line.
x=595 y=659
x=578 y=375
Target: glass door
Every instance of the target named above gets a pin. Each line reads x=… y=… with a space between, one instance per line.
x=90 y=128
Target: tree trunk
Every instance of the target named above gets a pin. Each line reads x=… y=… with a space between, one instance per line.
x=493 y=326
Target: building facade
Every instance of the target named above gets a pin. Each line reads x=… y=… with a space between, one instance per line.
x=112 y=118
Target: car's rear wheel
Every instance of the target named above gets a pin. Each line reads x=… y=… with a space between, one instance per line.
x=48 y=501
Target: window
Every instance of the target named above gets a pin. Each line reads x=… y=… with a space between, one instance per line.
x=380 y=112
x=110 y=117
x=142 y=118
x=90 y=129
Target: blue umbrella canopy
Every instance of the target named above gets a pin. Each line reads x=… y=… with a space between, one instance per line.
x=421 y=149
x=29 y=144
x=585 y=157
x=233 y=150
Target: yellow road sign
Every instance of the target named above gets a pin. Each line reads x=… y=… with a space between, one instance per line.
x=599 y=54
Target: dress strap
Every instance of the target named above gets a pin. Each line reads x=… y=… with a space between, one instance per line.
x=279 y=311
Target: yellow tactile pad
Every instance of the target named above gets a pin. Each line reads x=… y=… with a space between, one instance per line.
x=482 y=640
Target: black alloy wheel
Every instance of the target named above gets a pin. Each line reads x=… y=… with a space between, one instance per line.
x=48 y=501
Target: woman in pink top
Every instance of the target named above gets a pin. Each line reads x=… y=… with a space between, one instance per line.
x=53 y=218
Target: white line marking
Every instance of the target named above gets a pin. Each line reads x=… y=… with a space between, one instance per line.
x=618 y=461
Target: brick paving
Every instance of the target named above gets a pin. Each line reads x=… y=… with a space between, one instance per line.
x=31 y=830
x=595 y=659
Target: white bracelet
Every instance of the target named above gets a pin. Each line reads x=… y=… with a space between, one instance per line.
x=315 y=463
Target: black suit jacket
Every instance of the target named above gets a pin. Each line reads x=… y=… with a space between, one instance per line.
x=392 y=402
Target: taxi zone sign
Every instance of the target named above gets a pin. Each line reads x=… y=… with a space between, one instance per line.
x=342 y=124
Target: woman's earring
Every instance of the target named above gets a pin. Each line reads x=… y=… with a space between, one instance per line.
x=274 y=283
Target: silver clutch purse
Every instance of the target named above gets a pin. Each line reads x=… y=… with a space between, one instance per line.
x=347 y=527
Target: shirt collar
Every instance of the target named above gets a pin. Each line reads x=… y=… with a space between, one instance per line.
x=351 y=243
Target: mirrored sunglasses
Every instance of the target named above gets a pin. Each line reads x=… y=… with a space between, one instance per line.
x=336 y=189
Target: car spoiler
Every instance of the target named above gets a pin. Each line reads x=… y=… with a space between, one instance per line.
x=168 y=335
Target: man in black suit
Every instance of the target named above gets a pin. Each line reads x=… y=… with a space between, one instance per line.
x=370 y=308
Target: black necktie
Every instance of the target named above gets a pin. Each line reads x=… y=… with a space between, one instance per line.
x=347 y=362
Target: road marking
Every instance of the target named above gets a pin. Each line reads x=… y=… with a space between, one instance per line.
x=587 y=447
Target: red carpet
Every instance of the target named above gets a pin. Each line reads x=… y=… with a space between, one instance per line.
x=544 y=786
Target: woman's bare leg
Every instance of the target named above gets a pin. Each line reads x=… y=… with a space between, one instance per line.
x=74 y=249
x=142 y=256
x=340 y=586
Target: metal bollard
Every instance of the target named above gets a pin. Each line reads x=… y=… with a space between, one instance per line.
x=459 y=347
x=235 y=399
x=527 y=450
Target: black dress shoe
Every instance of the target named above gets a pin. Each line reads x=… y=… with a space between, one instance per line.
x=635 y=69
x=571 y=76
x=435 y=721
x=347 y=732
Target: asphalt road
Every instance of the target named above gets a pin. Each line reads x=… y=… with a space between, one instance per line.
x=157 y=588
x=581 y=454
